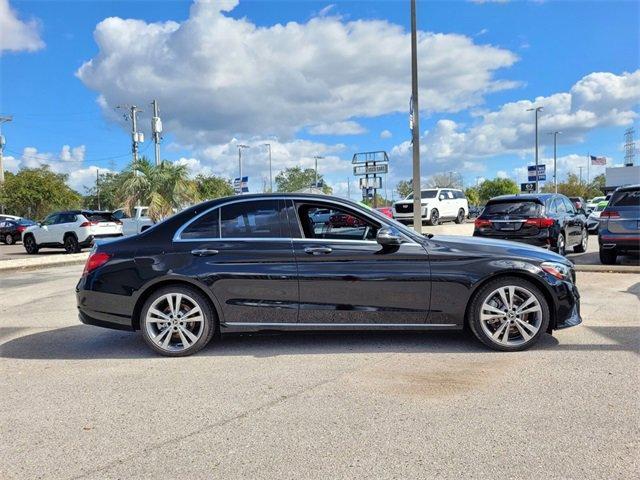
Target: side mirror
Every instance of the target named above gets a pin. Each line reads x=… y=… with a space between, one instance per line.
x=441 y=197
x=388 y=236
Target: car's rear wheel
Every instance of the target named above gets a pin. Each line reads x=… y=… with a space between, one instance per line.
x=561 y=246
x=584 y=240
x=608 y=256
x=177 y=321
x=71 y=244
x=434 y=218
x=509 y=314
x=8 y=239
x=30 y=244
x=460 y=217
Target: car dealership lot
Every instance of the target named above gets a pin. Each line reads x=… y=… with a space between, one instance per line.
x=80 y=401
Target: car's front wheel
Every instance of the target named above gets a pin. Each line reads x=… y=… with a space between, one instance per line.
x=71 y=244
x=30 y=244
x=561 y=246
x=177 y=321
x=434 y=218
x=509 y=314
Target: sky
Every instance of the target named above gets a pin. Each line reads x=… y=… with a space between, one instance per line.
x=325 y=79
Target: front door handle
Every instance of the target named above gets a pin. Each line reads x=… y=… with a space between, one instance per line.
x=204 y=252
x=318 y=250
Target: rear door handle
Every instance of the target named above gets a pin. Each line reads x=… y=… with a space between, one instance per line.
x=318 y=250
x=204 y=252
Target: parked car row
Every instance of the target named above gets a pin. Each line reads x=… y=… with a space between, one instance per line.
x=436 y=205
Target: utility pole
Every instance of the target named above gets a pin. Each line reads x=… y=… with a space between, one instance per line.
x=348 y=188
x=536 y=110
x=136 y=137
x=240 y=147
x=268 y=145
x=3 y=119
x=98 y=186
x=156 y=129
x=316 y=158
x=580 y=168
x=415 y=134
x=555 y=159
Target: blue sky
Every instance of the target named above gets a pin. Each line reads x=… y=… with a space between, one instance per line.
x=328 y=84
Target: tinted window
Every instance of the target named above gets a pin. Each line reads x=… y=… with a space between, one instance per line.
x=568 y=205
x=524 y=208
x=51 y=219
x=25 y=222
x=99 y=217
x=561 y=207
x=207 y=226
x=342 y=224
x=425 y=194
x=551 y=206
x=66 y=218
x=257 y=219
x=629 y=198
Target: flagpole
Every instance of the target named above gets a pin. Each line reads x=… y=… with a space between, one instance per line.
x=588 y=165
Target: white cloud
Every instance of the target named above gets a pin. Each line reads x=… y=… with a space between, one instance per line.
x=386 y=134
x=68 y=161
x=325 y=10
x=502 y=174
x=217 y=77
x=17 y=35
x=338 y=128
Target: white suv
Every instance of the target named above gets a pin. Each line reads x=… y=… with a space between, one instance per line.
x=437 y=204
x=71 y=230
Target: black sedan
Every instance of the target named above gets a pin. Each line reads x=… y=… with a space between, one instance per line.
x=11 y=230
x=260 y=262
x=545 y=220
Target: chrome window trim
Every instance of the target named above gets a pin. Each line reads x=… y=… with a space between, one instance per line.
x=177 y=235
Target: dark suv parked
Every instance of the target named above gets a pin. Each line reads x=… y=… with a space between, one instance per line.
x=619 y=230
x=545 y=220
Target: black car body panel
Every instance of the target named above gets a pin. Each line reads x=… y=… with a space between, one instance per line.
x=295 y=283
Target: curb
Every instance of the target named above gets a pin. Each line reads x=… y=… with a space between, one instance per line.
x=608 y=268
x=24 y=264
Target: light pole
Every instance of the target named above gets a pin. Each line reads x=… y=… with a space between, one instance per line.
x=316 y=158
x=555 y=159
x=240 y=147
x=3 y=119
x=268 y=145
x=415 y=134
x=537 y=110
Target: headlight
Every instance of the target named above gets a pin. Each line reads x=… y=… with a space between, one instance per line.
x=558 y=270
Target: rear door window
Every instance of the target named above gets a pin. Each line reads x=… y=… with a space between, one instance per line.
x=253 y=219
x=517 y=208
x=207 y=226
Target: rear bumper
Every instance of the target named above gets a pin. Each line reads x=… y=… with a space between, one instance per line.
x=87 y=242
x=104 y=309
x=608 y=240
x=541 y=240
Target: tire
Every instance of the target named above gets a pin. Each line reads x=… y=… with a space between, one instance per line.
x=168 y=337
x=561 y=245
x=512 y=325
x=461 y=217
x=9 y=240
x=608 y=256
x=434 y=218
x=71 y=244
x=584 y=240
x=30 y=245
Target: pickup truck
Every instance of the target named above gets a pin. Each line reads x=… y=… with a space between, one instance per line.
x=138 y=223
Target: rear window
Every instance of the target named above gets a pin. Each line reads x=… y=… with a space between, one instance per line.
x=512 y=208
x=99 y=217
x=25 y=223
x=629 y=198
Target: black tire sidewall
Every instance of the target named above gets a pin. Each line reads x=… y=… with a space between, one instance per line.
x=29 y=240
x=476 y=304
x=74 y=247
x=8 y=239
x=209 y=315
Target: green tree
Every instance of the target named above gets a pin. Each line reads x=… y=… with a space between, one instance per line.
x=211 y=186
x=498 y=186
x=473 y=196
x=572 y=187
x=163 y=188
x=295 y=178
x=106 y=194
x=36 y=192
x=404 y=188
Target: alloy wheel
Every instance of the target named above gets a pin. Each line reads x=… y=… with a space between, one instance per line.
x=561 y=245
x=434 y=217
x=8 y=239
x=511 y=315
x=174 y=322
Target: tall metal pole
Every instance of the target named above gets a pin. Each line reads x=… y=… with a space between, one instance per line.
x=555 y=159
x=134 y=132
x=268 y=145
x=417 y=194
x=3 y=119
x=580 y=168
x=316 y=158
x=98 y=186
x=536 y=110
x=240 y=147
x=156 y=129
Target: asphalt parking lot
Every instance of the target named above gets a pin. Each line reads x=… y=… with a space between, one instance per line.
x=83 y=402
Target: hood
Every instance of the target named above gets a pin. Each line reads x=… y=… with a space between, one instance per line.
x=500 y=248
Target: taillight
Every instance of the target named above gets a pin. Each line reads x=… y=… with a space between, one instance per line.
x=481 y=223
x=21 y=228
x=610 y=214
x=95 y=260
x=542 y=222
x=88 y=224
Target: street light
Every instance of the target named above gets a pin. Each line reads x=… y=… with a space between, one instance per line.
x=555 y=158
x=268 y=145
x=240 y=147
x=537 y=110
x=316 y=158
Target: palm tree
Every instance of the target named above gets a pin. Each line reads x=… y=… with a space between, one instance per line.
x=164 y=188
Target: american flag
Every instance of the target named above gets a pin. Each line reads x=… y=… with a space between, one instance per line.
x=598 y=160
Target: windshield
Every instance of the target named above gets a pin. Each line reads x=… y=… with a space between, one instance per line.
x=425 y=194
x=523 y=208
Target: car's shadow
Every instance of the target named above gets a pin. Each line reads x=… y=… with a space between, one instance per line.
x=85 y=342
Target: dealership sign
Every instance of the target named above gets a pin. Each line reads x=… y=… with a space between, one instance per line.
x=542 y=173
x=371 y=169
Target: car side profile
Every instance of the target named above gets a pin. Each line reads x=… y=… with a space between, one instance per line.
x=437 y=204
x=11 y=230
x=549 y=221
x=260 y=262
x=72 y=230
